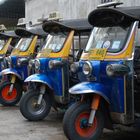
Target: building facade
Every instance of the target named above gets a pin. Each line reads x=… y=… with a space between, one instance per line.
x=68 y=9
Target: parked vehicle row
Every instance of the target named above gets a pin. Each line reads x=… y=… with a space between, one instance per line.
x=89 y=67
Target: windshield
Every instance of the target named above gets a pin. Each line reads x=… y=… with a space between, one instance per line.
x=23 y=44
x=2 y=43
x=54 y=43
x=112 y=38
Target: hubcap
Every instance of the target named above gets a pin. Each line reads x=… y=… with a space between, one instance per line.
x=5 y=93
x=82 y=127
x=84 y=123
x=34 y=108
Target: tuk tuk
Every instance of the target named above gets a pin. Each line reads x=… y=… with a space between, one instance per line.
x=110 y=95
x=26 y=49
x=52 y=66
x=8 y=39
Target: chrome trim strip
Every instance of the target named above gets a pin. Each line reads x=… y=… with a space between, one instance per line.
x=119 y=59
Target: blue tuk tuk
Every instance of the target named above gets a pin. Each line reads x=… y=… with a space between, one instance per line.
x=110 y=63
x=12 y=88
x=52 y=78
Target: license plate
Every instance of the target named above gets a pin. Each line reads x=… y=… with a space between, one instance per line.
x=97 y=54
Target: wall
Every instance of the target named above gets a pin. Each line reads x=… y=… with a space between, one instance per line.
x=69 y=9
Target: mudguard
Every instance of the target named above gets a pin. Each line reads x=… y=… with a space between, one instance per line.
x=91 y=88
x=40 y=78
x=10 y=71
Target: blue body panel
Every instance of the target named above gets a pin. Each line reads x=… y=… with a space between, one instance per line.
x=91 y=87
x=20 y=71
x=42 y=78
x=111 y=88
x=52 y=77
x=11 y=71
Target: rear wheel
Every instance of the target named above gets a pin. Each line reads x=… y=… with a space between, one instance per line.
x=75 y=123
x=31 y=110
x=10 y=99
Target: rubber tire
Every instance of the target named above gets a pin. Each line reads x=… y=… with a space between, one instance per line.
x=66 y=116
x=24 y=109
x=18 y=86
x=69 y=121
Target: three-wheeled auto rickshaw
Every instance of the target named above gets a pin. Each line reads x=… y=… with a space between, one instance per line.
x=111 y=64
x=11 y=90
x=8 y=39
x=53 y=77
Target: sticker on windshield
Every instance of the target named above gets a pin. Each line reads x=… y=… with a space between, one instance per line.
x=106 y=44
x=59 y=46
x=116 y=44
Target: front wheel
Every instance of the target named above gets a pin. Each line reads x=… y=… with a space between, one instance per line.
x=75 y=123
x=10 y=99
x=31 y=110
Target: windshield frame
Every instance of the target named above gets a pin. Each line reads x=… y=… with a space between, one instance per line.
x=18 y=45
x=48 y=41
x=109 y=52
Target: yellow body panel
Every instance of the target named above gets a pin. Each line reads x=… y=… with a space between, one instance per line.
x=5 y=48
x=29 y=51
x=62 y=53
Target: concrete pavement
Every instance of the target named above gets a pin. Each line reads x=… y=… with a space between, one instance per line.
x=13 y=126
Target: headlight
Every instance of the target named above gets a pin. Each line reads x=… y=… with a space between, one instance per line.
x=37 y=64
x=9 y=61
x=87 y=68
x=74 y=67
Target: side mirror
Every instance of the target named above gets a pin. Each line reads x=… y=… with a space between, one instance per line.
x=22 y=61
x=55 y=64
x=117 y=70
